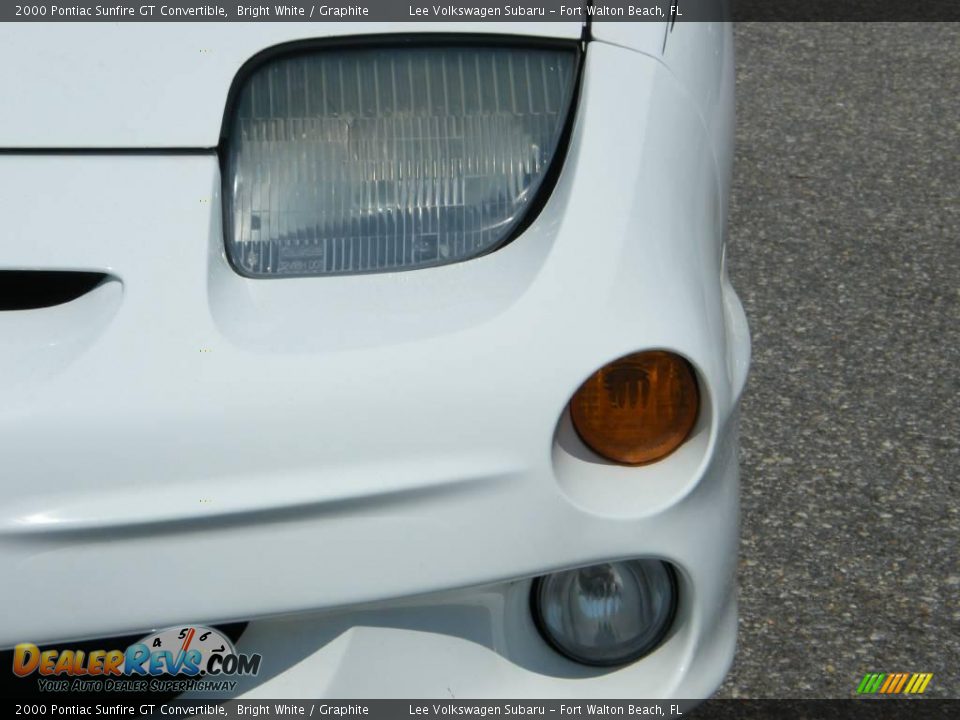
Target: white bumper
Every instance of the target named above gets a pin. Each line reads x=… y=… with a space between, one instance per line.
x=186 y=445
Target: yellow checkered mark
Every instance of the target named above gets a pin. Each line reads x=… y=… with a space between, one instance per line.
x=918 y=683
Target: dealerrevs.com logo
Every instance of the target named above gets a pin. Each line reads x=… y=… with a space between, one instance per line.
x=176 y=659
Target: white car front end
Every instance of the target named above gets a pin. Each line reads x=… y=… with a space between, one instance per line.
x=369 y=469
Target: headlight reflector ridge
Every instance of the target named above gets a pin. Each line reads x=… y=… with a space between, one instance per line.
x=361 y=160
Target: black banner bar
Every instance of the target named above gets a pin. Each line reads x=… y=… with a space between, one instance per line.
x=334 y=11
x=855 y=709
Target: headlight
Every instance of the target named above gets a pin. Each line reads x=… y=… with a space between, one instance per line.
x=385 y=159
x=607 y=614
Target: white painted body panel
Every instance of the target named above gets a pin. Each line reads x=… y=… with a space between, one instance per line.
x=385 y=460
x=646 y=37
x=129 y=85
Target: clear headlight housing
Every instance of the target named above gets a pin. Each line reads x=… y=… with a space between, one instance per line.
x=347 y=161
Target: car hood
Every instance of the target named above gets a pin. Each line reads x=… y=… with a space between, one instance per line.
x=158 y=85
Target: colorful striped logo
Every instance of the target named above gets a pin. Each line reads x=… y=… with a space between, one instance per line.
x=894 y=683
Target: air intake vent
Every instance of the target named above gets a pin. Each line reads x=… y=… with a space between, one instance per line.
x=33 y=289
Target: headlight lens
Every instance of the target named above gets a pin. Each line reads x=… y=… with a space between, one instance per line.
x=377 y=160
x=607 y=614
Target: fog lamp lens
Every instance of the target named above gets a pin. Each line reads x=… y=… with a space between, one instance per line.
x=637 y=409
x=607 y=614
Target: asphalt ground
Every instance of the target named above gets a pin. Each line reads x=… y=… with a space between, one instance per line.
x=845 y=250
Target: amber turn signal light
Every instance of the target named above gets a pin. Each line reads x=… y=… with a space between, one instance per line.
x=637 y=409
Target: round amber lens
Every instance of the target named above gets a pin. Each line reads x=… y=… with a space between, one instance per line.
x=637 y=409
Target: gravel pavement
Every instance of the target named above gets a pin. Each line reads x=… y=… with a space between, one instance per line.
x=845 y=249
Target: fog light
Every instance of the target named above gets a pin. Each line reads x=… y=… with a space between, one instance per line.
x=637 y=409
x=608 y=614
